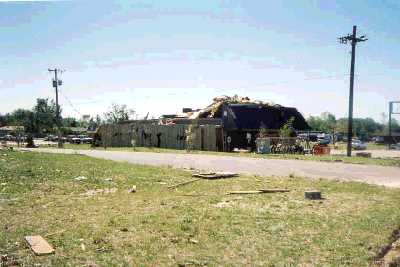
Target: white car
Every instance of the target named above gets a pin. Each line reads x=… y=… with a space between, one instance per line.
x=358 y=145
x=395 y=146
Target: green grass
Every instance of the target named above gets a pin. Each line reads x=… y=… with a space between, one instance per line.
x=324 y=158
x=196 y=224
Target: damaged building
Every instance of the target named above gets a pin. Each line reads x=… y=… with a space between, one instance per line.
x=226 y=124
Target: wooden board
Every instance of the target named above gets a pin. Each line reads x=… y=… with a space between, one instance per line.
x=39 y=245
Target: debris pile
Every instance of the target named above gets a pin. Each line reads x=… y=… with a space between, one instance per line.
x=94 y=192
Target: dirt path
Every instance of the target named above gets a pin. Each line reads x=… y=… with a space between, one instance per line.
x=378 y=175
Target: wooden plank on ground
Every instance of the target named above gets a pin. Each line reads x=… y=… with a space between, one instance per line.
x=261 y=191
x=184 y=183
x=39 y=245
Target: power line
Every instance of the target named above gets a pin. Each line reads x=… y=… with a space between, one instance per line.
x=70 y=103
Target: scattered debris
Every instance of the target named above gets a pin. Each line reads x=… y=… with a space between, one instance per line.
x=363 y=154
x=215 y=175
x=132 y=189
x=227 y=202
x=389 y=254
x=93 y=192
x=8 y=200
x=56 y=233
x=184 y=183
x=260 y=191
x=80 y=178
x=9 y=260
x=223 y=204
x=312 y=195
x=39 y=245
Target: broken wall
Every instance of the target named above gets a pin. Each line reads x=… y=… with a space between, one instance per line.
x=143 y=134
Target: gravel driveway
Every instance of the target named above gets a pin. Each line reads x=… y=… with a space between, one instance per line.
x=378 y=175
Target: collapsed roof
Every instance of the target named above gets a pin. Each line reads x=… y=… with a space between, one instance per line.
x=241 y=113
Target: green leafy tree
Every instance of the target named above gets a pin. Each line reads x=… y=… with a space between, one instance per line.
x=45 y=115
x=3 y=120
x=325 y=123
x=287 y=129
x=69 y=122
x=118 y=113
x=22 y=117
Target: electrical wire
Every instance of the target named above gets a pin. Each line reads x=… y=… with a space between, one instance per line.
x=70 y=103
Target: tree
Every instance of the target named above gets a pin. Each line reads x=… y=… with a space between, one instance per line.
x=22 y=117
x=118 y=113
x=287 y=129
x=69 y=122
x=3 y=120
x=325 y=123
x=45 y=115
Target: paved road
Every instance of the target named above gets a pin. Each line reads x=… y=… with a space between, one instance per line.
x=378 y=175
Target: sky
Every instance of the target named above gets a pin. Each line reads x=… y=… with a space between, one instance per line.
x=161 y=56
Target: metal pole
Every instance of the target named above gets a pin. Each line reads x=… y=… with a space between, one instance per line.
x=350 y=120
x=390 y=122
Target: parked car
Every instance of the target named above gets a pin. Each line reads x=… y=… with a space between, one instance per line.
x=324 y=139
x=358 y=145
x=75 y=140
x=69 y=138
x=85 y=139
x=8 y=137
x=395 y=146
x=379 y=140
x=51 y=138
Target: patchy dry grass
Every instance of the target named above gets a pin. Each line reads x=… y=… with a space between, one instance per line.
x=195 y=224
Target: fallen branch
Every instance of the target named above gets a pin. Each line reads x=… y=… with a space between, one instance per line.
x=274 y=190
x=261 y=191
x=183 y=183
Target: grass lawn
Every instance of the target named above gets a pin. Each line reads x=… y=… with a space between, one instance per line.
x=327 y=158
x=370 y=146
x=193 y=225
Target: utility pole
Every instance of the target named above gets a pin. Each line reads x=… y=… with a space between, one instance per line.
x=56 y=83
x=390 y=122
x=354 y=40
x=391 y=112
